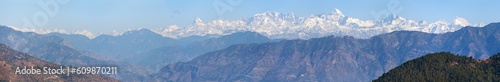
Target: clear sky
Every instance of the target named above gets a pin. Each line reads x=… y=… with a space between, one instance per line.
x=107 y=15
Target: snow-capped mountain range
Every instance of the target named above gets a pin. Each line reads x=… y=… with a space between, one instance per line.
x=277 y=25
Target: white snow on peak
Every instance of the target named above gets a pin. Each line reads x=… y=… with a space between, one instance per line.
x=198 y=21
x=422 y=22
x=85 y=33
x=338 y=12
x=115 y=33
x=460 y=21
x=479 y=25
x=38 y=31
x=47 y=31
x=169 y=31
x=288 y=26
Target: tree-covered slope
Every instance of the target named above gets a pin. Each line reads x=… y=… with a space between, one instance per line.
x=445 y=67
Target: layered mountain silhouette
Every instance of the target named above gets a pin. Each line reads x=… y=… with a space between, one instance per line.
x=249 y=56
x=131 y=42
x=145 y=48
x=157 y=58
x=445 y=67
x=330 y=58
x=59 y=51
x=131 y=51
x=11 y=59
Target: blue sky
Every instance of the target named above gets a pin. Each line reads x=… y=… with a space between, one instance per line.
x=107 y=15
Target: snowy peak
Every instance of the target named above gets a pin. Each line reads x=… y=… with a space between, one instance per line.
x=37 y=30
x=274 y=16
x=47 y=31
x=277 y=25
x=85 y=33
x=288 y=26
x=337 y=12
x=115 y=33
x=394 y=17
x=460 y=21
x=268 y=14
x=198 y=21
x=422 y=22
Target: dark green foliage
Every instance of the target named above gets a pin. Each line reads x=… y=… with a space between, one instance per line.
x=495 y=65
x=445 y=67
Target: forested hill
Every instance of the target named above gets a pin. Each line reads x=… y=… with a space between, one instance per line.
x=445 y=67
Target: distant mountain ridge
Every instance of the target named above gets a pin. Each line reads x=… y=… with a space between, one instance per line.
x=135 y=45
x=11 y=59
x=147 y=49
x=136 y=41
x=57 y=50
x=288 y=26
x=344 y=59
x=275 y=25
x=157 y=58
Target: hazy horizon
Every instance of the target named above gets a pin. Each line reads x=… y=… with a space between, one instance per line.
x=121 y=15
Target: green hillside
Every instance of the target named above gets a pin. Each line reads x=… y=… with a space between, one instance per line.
x=445 y=67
